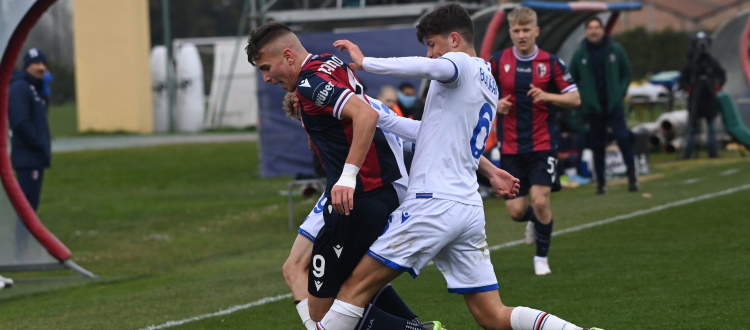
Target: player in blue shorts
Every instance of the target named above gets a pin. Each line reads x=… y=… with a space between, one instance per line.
x=442 y=218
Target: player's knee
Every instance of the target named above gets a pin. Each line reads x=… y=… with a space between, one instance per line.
x=540 y=204
x=291 y=270
x=517 y=214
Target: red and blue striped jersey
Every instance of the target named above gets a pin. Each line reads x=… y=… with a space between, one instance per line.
x=324 y=86
x=528 y=126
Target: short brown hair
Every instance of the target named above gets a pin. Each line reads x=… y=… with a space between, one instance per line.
x=522 y=16
x=262 y=36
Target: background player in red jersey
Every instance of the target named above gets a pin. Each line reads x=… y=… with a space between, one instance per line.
x=530 y=81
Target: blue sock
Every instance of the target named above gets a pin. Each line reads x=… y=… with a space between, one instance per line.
x=543 y=237
x=376 y=319
x=390 y=302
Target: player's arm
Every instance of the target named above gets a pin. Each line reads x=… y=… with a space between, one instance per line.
x=626 y=74
x=503 y=184
x=364 y=119
x=440 y=69
x=405 y=128
x=570 y=99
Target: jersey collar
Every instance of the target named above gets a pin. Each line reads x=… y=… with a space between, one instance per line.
x=527 y=57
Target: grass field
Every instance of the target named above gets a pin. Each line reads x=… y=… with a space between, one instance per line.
x=182 y=231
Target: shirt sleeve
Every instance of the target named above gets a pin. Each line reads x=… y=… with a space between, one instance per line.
x=405 y=128
x=319 y=93
x=563 y=78
x=441 y=69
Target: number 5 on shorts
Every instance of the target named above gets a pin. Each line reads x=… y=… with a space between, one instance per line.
x=552 y=162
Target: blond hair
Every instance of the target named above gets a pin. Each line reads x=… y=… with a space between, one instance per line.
x=522 y=16
x=290 y=110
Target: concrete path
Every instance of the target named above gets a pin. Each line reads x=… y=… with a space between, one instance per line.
x=79 y=143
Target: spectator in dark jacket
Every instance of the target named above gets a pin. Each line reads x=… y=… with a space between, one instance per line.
x=701 y=77
x=601 y=69
x=30 y=137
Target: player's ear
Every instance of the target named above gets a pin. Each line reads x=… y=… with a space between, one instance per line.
x=288 y=56
x=455 y=39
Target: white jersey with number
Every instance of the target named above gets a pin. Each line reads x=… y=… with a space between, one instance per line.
x=456 y=122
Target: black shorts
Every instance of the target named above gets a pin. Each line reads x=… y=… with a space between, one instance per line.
x=344 y=240
x=533 y=168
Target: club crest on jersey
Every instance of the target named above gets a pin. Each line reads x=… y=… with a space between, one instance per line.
x=506 y=67
x=541 y=69
x=323 y=93
x=612 y=58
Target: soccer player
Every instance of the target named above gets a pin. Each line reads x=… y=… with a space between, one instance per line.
x=442 y=218
x=356 y=155
x=530 y=80
x=296 y=267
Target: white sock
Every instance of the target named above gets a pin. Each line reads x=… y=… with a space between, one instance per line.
x=524 y=318
x=341 y=316
x=304 y=314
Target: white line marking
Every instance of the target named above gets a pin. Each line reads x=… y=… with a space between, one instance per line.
x=730 y=171
x=220 y=313
x=492 y=248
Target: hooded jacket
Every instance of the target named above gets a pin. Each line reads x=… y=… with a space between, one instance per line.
x=27 y=117
x=617 y=80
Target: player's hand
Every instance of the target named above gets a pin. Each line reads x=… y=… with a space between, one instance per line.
x=503 y=105
x=354 y=52
x=342 y=199
x=537 y=94
x=504 y=184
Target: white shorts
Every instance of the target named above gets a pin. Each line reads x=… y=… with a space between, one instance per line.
x=314 y=221
x=449 y=233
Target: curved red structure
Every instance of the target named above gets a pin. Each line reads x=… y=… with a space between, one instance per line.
x=56 y=248
x=743 y=56
x=492 y=29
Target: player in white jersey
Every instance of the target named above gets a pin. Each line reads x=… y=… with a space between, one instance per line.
x=442 y=217
x=296 y=267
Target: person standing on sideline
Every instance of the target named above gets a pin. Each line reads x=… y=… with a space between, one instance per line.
x=27 y=117
x=530 y=81
x=702 y=77
x=442 y=217
x=601 y=69
x=389 y=96
x=408 y=101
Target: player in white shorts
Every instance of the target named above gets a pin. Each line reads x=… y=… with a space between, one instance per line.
x=442 y=217
x=296 y=266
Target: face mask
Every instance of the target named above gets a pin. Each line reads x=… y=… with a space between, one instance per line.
x=406 y=100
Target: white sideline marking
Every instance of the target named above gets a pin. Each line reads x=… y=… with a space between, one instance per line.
x=219 y=313
x=492 y=248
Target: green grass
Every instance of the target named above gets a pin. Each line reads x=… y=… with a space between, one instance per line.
x=180 y=231
x=63 y=120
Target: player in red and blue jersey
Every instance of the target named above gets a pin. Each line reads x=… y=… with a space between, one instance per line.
x=359 y=163
x=531 y=80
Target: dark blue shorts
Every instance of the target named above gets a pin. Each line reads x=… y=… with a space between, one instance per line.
x=533 y=168
x=344 y=240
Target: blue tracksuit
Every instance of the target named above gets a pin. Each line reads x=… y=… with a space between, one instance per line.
x=30 y=139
